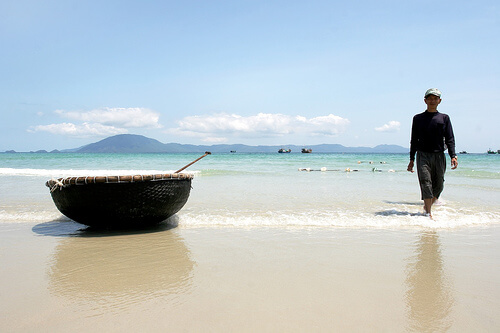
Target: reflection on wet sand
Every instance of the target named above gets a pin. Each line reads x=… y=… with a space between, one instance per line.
x=121 y=269
x=428 y=295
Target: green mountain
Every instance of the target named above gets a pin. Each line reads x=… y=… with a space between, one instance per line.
x=131 y=143
x=124 y=143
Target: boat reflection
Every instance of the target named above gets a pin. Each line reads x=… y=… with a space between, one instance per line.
x=428 y=295
x=121 y=268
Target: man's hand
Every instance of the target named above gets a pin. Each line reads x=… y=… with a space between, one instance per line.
x=454 y=163
x=410 y=166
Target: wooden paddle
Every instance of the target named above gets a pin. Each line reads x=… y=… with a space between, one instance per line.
x=199 y=158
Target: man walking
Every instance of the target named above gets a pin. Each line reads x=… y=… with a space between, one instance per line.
x=431 y=134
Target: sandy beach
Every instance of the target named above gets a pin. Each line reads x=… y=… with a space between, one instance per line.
x=57 y=277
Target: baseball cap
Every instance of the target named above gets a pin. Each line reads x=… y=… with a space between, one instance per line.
x=433 y=91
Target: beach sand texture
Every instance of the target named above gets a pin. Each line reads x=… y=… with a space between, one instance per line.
x=56 y=278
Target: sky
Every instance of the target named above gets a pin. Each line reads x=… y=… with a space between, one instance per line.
x=245 y=72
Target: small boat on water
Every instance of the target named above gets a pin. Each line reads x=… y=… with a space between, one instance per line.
x=121 y=201
x=307 y=151
x=463 y=152
x=491 y=151
x=284 y=151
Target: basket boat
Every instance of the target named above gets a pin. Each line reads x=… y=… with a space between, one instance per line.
x=121 y=201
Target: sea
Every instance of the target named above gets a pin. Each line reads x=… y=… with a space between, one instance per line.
x=246 y=190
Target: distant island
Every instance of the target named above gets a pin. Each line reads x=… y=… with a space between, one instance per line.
x=132 y=143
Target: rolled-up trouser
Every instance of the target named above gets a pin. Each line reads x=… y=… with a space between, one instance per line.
x=431 y=168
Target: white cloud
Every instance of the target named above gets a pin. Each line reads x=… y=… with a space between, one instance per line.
x=231 y=123
x=329 y=125
x=217 y=127
x=83 y=130
x=119 y=117
x=101 y=122
x=392 y=126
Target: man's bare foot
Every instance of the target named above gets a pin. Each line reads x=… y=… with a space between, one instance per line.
x=428 y=205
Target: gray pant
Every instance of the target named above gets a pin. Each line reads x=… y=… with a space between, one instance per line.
x=430 y=169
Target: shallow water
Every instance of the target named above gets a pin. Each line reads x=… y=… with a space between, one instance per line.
x=353 y=190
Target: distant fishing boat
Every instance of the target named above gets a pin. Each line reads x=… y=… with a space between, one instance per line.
x=121 y=201
x=284 y=151
x=463 y=152
x=491 y=151
x=307 y=151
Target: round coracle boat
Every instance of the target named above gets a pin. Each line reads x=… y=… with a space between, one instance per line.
x=121 y=201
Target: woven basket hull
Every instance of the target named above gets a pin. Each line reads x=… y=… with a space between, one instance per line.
x=122 y=205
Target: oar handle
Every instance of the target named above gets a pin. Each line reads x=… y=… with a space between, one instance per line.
x=196 y=160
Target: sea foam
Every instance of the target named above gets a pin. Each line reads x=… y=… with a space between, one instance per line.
x=443 y=218
x=52 y=173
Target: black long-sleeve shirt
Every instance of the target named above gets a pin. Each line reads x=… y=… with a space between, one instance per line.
x=432 y=132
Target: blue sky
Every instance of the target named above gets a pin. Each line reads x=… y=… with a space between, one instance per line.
x=251 y=72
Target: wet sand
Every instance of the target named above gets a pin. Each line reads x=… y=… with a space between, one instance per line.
x=58 y=278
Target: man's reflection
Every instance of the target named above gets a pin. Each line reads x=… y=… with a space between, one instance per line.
x=428 y=296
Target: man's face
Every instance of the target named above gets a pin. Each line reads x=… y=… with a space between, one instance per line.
x=432 y=101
